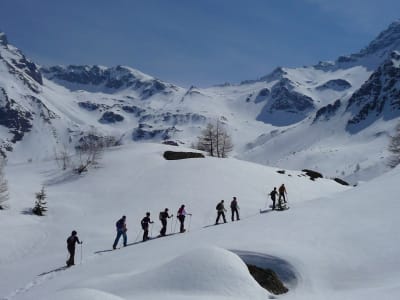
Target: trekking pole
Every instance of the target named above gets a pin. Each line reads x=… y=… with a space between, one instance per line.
x=151 y=229
x=81 y=252
x=190 y=221
x=176 y=220
x=137 y=237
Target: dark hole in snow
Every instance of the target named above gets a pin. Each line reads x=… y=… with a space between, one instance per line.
x=272 y=273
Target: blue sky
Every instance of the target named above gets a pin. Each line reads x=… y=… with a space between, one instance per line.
x=189 y=42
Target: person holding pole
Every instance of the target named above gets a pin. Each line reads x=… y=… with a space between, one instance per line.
x=71 y=241
x=181 y=217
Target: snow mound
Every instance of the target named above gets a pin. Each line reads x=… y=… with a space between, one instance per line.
x=83 y=294
x=210 y=270
x=206 y=271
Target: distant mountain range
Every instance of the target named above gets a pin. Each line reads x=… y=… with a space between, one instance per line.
x=334 y=117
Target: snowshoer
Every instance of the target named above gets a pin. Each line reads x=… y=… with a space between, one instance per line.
x=282 y=194
x=220 y=211
x=163 y=218
x=273 y=197
x=145 y=226
x=121 y=230
x=235 y=209
x=71 y=241
x=181 y=217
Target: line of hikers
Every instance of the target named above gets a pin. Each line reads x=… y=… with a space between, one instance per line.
x=181 y=215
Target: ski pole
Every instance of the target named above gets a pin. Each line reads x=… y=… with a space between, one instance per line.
x=190 y=221
x=81 y=252
x=172 y=222
x=176 y=220
x=151 y=229
x=137 y=237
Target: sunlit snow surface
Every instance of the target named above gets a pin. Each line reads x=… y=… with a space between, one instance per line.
x=341 y=242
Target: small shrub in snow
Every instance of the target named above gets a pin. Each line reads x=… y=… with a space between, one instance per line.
x=40 y=203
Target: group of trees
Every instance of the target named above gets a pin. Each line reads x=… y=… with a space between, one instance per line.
x=215 y=140
x=88 y=151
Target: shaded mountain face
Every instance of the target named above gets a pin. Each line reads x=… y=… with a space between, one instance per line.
x=378 y=97
x=108 y=80
x=60 y=104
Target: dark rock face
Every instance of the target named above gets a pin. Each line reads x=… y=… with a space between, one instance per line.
x=98 y=78
x=312 y=174
x=285 y=105
x=268 y=279
x=29 y=68
x=137 y=111
x=173 y=155
x=326 y=112
x=146 y=132
x=90 y=106
x=111 y=117
x=335 y=84
x=262 y=95
x=14 y=117
x=378 y=97
x=173 y=119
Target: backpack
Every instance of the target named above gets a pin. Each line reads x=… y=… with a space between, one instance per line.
x=219 y=206
x=180 y=210
x=161 y=215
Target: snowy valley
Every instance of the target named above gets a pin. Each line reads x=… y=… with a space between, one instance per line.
x=335 y=242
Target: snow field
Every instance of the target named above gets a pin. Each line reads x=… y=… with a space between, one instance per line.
x=339 y=240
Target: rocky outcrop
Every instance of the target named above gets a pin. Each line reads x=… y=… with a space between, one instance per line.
x=378 y=97
x=325 y=113
x=334 y=84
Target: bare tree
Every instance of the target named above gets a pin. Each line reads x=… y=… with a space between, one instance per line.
x=90 y=150
x=63 y=157
x=4 y=195
x=206 y=141
x=215 y=140
x=394 y=148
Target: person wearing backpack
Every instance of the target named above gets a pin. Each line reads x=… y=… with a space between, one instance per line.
x=163 y=218
x=181 y=217
x=145 y=226
x=282 y=194
x=273 y=197
x=220 y=211
x=235 y=209
x=71 y=241
x=121 y=230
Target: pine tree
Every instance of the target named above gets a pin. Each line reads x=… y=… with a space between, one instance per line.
x=394 y=148
x=4 y=196
x=40 y=203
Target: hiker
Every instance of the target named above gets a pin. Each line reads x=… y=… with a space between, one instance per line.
x=163 y=218
x=181 y=217
x=221 y=211
x=145 y=226
x=71 y=241
x=273 y=197
x=282 y=194
x=235 y=209
x=121 y=230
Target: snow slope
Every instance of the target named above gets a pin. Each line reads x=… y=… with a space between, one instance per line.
x=340 y=241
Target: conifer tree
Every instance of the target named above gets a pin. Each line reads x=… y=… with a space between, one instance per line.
x=40 y=203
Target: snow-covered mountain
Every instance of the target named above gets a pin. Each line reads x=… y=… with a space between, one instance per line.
x=292 y=117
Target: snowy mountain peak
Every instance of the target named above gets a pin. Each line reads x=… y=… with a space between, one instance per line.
x=3 y=39
x=96 y=78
